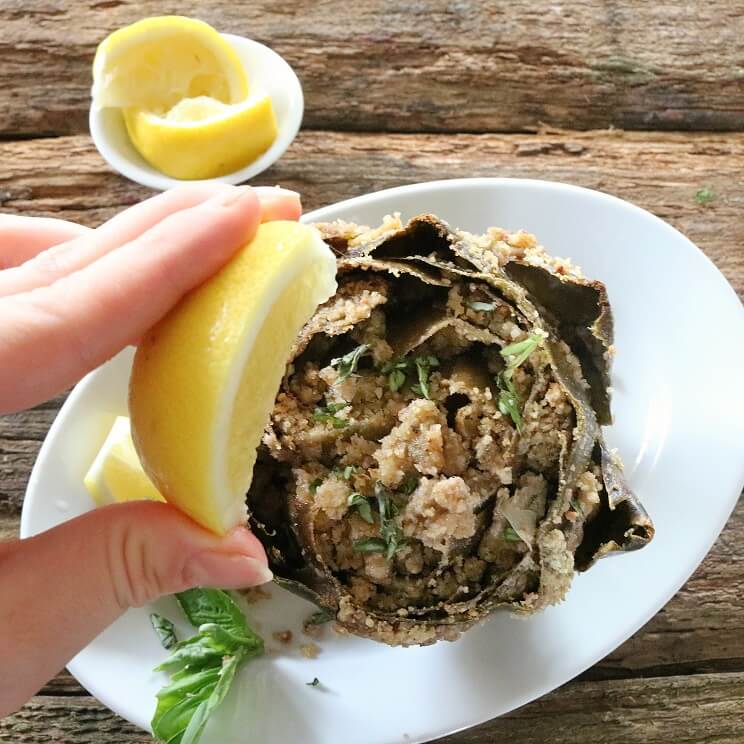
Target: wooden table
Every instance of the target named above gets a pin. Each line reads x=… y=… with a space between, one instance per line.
x=643 y=100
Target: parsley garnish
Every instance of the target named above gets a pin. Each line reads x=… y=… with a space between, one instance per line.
x=705 y=195
x=359 y=502
x=314 y=485
x=327 y=415
x=514 y=355
x=510 y=535
x=398 y=370
x=348 y=363
x=576 y=506
x=481 y=307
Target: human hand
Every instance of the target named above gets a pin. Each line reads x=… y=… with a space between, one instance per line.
x=70 y=298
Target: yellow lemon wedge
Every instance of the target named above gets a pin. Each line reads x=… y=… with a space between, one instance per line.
x=156 y=62
x=116 y=474
x=205 y=378
x=203 y=137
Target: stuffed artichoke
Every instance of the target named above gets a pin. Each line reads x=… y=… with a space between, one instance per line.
x=435 y=451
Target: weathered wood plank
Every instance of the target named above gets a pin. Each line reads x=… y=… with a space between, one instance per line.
x=661 y=172
x=425 y=65
x=655 y=711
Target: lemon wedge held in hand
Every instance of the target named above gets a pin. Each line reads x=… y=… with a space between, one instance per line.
x=203 y=137
x=157 y=62
x=205 y=378
x=116 y=474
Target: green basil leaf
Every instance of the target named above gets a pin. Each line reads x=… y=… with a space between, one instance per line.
x=165 y=630
x=202 y=606
x=178 y=702
x=198 y=721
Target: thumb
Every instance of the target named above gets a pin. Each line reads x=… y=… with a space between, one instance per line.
x=61 y=588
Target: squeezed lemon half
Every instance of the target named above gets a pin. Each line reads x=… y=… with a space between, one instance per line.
x=183 y=92
x=205 y=378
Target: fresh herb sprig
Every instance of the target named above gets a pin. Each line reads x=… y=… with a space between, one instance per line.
x=202 y=667
x=359 y=502
x=327 y=415
x=514 y=356
x=348 y=363
x=391 y=537
x=399 y=369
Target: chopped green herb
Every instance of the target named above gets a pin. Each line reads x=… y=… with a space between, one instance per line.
x=396 y=372
x=327 y=415
x=389 y=530
x=348 y=363
x=359 y=502
x=481 y=307
x=509 y=400
x=409 y=484
x=510 y=535
x=396 y=380
x=705 y=195
x=345 y=472
x=165 y=629
x=318 y=618
x=202 y=667
x=516 y=354
x=314 y=683
x=370 y=545
x=423 y=366
x=576 y=506
x=314 y=485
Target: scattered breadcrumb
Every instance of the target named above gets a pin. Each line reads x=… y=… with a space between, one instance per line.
x=310 y=650
x=283 y=636
x=255 y=594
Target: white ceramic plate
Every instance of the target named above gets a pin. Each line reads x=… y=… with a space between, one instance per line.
x=679 y=427
x=267 y=73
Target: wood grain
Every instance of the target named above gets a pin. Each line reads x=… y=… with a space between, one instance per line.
x=688 y=709
x=661 y=172
x=424 y=65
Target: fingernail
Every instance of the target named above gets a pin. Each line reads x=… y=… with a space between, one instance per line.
x=231 y=197
x=274 y=191
x=229 y=571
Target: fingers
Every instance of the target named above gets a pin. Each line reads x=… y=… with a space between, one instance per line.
x=62 y=260
x=21 y=238
x=63 y=587
x=278 y=204
x=53 y=335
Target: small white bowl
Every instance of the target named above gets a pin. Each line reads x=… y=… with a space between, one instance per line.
x=267 y=72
